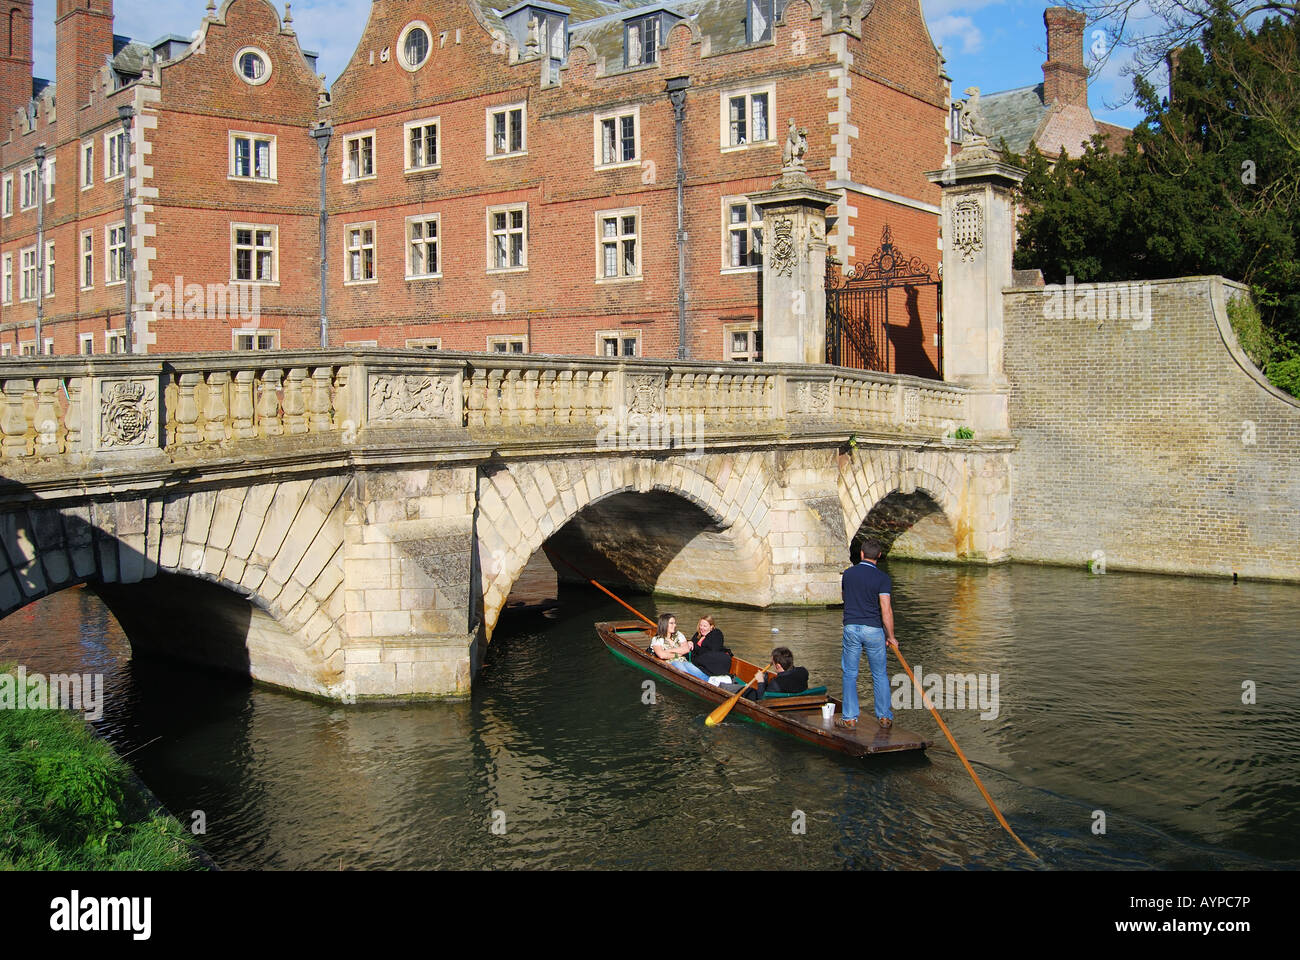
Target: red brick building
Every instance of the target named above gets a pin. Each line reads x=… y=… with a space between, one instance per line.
x=494 y=180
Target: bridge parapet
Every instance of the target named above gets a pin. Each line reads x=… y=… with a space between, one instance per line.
x=131 y=413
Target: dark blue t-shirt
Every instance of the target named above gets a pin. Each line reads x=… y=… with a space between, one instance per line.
x=861 y=586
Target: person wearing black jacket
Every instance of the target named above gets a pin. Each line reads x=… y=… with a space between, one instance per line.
x=788 y=679
x=707 y=651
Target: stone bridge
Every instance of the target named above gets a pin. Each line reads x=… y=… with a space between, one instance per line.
x=350 y=523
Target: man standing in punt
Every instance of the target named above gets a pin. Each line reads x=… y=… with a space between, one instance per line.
x=868 y=626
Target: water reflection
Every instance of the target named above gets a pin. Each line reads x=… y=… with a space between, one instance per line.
x=1118 y=693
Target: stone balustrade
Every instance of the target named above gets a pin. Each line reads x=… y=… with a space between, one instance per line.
x=152 y=406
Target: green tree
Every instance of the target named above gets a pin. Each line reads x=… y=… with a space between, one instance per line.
x=1209 y=182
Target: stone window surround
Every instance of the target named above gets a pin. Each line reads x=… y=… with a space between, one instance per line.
x=113 y=154
x=507 y=339
x=491 y=258
x=599 y=140
x=275 y=254
x=252 y=157
x=254 y=333
x=87 y=154
x=411 y=243
x=409 y=167
x=348 y=249
x=740 y=326
x=490 y=114
x=620 y=336
x=109 y=252
x=724 y=117
x=755 y=222
x=357 y=137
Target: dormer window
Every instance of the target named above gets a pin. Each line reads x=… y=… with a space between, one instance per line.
x=641 y=41
x=541 y=28
x=758 y=20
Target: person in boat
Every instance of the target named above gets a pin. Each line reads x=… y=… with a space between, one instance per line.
x=707 y=650
x=669 y=644
x=783 y=676
x=868 y=626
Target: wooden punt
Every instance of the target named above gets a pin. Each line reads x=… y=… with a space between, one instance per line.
x=799 y=716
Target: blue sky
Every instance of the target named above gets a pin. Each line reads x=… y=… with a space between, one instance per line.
x=992 y=44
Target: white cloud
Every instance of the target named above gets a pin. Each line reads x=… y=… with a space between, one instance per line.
x=953 y=28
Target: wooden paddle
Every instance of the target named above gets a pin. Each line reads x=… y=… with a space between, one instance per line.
x=966 y=763
x=720 y=713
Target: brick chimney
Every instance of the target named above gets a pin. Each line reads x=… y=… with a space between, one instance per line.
x=83 y=38
x=15 y=58
x=1065 y=78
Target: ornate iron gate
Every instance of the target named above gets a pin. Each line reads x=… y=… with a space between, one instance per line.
x=858 y=333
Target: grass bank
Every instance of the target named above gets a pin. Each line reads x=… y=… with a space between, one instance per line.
x=68 y=802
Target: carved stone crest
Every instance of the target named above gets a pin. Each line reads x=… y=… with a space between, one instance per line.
x=783 y=254
x=128 y=414
x=404 y=397
x=968 y=227
x=911 y=405
x=647 y=396
x=814 y=398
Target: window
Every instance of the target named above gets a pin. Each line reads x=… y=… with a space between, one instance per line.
x=49 y=268
x=413 y=45
x=424 y=343
x=115 y=341
x=618 y=247
x=507 y=238
x=114 y=154
x=87 y=164
x=48 y=348
x=742 y=341
x=7 y=291
x=8 y=196
x=362 y=344
x=27 y=348
x=27 y=275
x=28 y=179
x=252 y=66
x=6 y=350
x=758 y=21
x=618 y=343
x=252 y=157
x=507 y=344
x=505 y=131
x=359 y=157
x=253 y=253
x=256 y=339
x=641 y=41
x=616 y=138
x=86 y=344
x=422 y=258
x=115 y=253
x=359 y=255
x=745 y=118
x=50 y=164
x=87 y=259
x=422 y=145
x=742 y=235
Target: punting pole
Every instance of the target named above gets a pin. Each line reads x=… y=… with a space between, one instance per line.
x=603 y=590
x=966 y=763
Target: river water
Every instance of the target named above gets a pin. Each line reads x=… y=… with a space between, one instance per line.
x=1121 y=740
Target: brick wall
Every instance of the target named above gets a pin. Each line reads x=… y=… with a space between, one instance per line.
x=1160 y=446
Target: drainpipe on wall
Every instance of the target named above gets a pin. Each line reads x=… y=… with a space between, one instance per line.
x=125 y=113
x=40 y=244
x=321 y=135
x=677 y=95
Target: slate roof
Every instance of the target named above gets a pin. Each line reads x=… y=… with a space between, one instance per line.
x=600 y=22
x=1013 y=115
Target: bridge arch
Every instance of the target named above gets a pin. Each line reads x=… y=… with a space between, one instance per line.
x=900 y=487
x=523 y=505
x=200 y=575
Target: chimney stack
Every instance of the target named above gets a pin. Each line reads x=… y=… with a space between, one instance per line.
x=83 y=39
x=1171 y=62
x=1065 y=78
x=15 y=59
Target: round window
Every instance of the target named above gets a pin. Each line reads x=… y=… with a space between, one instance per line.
x=252 y=65
x=414 y=45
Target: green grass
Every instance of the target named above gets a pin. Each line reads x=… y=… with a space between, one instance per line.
x=67 y=802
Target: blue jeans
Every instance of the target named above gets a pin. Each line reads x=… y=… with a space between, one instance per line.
x=858 y=637
x=685 y=666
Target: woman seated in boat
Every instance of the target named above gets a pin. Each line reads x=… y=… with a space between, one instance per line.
x=669 y=644
x=788 y=678
x=707 y=651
